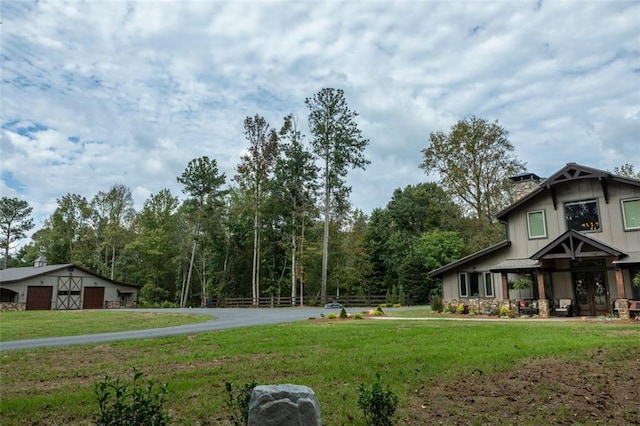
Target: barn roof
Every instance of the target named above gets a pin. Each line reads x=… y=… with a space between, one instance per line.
x=14 y=275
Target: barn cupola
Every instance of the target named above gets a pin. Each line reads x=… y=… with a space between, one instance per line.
x=40 y=262
x=523 y=184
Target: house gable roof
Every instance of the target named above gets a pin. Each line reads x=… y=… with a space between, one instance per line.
x=570 y=172
x=574 y=245
x=474 y=256
x=15 y=275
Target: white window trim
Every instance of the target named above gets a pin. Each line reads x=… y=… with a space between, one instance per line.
x=493 y=290
x=544 y=224
x=624 y=217
x=466 y=282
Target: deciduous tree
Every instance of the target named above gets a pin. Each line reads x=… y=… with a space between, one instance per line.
x=474 y=161
x=294 y=185
x=254 y=171
x=203 y=183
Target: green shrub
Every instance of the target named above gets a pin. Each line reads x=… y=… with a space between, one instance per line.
x=343 y=313
x=166 y=304
x=505 y=311
x=377 y=403
x=379 y=309
x=238 y=402
x=436 y=304
x=120 y=404
x=357 y=316
x=397 y=305
x=332 y=316
x=460 y=309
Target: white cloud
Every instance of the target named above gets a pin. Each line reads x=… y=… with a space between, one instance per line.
x=129 y=92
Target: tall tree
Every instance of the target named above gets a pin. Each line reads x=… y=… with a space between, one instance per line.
x=15 y=221
x=254 y=170
x=474 y=161
x=113 y=214
x=339 y=144
x=203 y=183
x=69 y=231
x=294 y=184
x=156 y=248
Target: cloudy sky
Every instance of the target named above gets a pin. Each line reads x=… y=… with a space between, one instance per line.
x=102 y=92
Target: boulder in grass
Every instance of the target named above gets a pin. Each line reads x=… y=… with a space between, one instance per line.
x=284 y=405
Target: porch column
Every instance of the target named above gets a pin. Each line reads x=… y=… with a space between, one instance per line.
x=620 y=283
x=621 y=303
x=505 y=286
x=543 y=303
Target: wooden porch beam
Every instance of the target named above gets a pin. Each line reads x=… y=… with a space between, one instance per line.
x=620 y=283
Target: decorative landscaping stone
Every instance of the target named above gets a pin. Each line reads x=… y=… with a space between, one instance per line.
x=284 y=405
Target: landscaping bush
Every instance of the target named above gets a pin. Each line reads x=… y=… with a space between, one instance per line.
x=357 y=316
x=332 y=316
x=460 y=309
x=378 y=404
x=238 y=402
x=505 y=311
x=343 y=313
x=121 y=405
x=436 y=304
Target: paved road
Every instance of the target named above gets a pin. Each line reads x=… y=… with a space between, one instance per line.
x=225 y=318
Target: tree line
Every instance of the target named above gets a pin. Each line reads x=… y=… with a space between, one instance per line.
x=283 y=225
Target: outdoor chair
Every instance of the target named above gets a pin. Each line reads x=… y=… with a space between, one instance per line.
x=564 y=308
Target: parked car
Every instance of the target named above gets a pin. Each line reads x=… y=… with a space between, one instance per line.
x=333 y=305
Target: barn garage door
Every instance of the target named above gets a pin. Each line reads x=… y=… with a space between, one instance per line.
x=93 y=298
x=39 y=298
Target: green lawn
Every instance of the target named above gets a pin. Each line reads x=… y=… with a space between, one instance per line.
x=36 y=324
x=54 y=386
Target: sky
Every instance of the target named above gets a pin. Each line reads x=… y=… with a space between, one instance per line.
x=96 y=93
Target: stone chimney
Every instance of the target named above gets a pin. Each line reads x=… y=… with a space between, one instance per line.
x=523 y=184
x=40 y=262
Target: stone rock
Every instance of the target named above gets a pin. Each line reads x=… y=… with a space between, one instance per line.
x=284 y=405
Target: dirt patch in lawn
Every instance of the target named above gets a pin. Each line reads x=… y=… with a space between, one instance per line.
x=602 y=388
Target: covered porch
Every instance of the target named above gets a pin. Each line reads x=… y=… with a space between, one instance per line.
x=593 y=277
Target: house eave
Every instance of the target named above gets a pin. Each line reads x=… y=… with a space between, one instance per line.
x=438 y=272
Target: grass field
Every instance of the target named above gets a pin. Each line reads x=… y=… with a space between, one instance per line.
x=36 y=324
x=415 y=358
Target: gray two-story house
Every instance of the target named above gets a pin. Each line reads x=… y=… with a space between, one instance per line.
x=575 y=236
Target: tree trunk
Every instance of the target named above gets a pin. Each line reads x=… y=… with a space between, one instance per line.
x=254 y=273
x=301 y=263
x=187 y=286
x=293 y=263
x=325 y=237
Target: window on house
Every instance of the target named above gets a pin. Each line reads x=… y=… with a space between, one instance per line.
x=462 y=281
x=488 y=285
x=582 y=215
x=631 y=214
x=536 y=224
x=474 y=285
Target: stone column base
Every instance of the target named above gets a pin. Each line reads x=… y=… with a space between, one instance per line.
x=622 y=306
x=543 y=308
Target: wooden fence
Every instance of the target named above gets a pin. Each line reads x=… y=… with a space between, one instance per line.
x=285 y=302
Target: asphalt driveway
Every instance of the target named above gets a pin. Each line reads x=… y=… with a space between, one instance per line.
x=225 y=318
